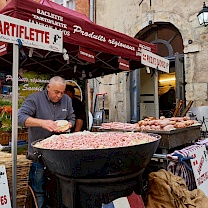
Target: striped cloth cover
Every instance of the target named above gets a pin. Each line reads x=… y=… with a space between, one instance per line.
x=132 y=201
x=180 y=169
x=203 y=141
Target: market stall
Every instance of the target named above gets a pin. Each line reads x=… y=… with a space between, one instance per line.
x=89 y=50
x=180 y=138
x=175 y=132
x=96 y=168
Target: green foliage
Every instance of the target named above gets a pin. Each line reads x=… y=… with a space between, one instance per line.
x=4 y=102
x=20 y=101
x=5 y=119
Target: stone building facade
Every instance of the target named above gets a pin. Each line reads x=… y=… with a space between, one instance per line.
x=131 y=17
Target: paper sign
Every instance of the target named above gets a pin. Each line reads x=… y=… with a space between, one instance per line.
x=4 y=189
x=152 y=60
x=200 y=168
x=31 y=35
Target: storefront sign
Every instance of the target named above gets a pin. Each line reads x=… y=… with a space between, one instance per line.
x=154 y=61
x=31 y=35
x=4 y=189
x=200 y=168
x=123 y=64
x=3 y=48
x=86 y=54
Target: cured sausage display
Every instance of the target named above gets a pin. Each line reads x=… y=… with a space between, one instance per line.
x=90 y=140
x=165 y=124
x=151 y=123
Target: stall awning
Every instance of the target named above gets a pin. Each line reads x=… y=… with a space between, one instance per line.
x=104 y=46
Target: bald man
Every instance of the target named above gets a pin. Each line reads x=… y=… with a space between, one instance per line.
x=39 y=112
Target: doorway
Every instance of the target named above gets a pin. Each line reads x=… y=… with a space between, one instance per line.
x=170 y=46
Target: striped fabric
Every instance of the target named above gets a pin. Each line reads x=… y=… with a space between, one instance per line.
x=204 y=141
x=180 y=169
x=132 y=201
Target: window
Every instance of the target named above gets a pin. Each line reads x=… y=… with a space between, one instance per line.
x=66 y=3
x=59 y=1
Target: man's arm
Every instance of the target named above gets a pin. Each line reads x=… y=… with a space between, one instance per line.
x=78 y=125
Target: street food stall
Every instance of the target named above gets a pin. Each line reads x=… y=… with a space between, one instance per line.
x=175 y=132
x=89 y=50
x=97 y=167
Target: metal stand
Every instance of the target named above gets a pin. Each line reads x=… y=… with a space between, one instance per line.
x=92 y=192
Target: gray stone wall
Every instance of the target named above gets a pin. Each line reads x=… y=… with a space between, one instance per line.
x=129 y=17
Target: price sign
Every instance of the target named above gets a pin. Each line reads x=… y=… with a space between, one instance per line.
x=200 y=168
x=152 y=60
x=4 y=189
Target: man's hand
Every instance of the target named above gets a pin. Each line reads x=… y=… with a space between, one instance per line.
x=49 y=125
x=70 y=125
x=46 y=124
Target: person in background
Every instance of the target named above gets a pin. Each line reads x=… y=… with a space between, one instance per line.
x=167 y=103
x=39 y=112
x=78 y=109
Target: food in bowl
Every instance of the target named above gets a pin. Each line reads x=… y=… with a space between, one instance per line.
x=90 y=140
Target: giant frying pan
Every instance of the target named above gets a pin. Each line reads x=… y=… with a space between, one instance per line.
x=98 y=163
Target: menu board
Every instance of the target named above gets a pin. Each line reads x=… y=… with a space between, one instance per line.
x=200 y=168
x=4 y=189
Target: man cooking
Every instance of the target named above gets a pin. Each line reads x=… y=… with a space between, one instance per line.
x=39 y=112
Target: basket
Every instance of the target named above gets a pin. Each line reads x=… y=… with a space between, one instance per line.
x=5 y=137
x=23 y=166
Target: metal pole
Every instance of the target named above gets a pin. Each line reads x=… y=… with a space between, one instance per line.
x=14 y=121
x=156 y=100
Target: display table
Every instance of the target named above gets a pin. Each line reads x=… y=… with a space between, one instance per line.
x=177 y=137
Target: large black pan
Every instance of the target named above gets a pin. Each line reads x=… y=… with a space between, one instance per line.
x=100 y=163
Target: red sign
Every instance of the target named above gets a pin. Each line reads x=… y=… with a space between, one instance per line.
x=86 y=54
x=123 y=64
x=3 y=48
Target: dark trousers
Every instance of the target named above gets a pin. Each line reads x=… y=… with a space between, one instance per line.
x=37 y=180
